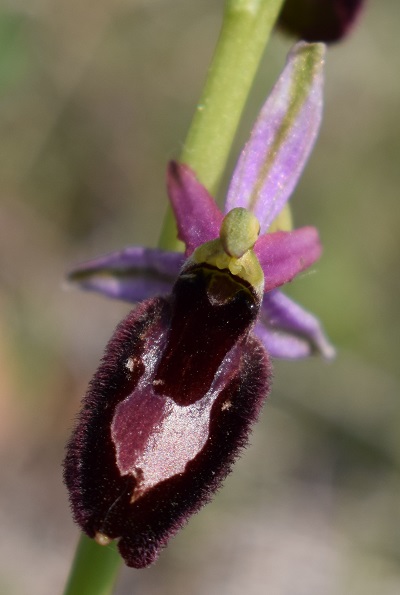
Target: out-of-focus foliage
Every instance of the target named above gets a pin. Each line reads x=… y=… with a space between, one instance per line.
x=95 y=98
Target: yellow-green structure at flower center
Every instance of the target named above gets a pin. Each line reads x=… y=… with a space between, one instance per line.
x=233 y=250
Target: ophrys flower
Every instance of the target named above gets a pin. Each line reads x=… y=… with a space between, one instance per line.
x=185 y=374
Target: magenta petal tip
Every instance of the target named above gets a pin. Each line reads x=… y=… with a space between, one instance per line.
x=197 y=215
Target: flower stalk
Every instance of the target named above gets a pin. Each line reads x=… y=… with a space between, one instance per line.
x=94 y=569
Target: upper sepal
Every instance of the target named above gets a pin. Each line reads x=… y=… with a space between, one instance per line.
x=282 y=138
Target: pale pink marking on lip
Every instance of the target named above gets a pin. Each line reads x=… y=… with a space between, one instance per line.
x=154 y=437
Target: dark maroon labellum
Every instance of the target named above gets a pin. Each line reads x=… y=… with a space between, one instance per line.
x=180 y=384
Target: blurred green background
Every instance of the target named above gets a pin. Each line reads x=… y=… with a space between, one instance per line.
x=96 y=96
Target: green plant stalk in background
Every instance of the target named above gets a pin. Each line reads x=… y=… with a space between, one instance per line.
x=94 y=569
x=246 y=28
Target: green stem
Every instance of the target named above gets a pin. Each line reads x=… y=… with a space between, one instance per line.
x=94 y=569
x=246 y=28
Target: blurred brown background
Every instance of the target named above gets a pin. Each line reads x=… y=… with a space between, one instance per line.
x=96 y=96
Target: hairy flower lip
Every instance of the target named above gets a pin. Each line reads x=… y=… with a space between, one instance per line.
x=109 y=499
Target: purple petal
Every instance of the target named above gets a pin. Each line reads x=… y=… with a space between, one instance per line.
x=321 y=20
x=281 y=344
x=284 y=254
x=288 y=331
x=198 y=217
x=282 y=138
x=132 y=275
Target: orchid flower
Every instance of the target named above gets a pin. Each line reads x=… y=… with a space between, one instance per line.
x=185 y=375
